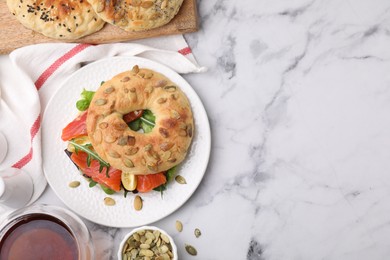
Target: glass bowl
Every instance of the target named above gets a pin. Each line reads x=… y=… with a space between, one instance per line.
x=47 y=230
x=127 y=243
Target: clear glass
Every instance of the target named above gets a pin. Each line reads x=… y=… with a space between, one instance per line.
x=76 y=226
x=3 y=147
x=16 y=188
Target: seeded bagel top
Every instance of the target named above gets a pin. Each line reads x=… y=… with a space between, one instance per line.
x=134 y=152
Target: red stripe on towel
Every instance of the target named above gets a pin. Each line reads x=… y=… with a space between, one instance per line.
x=185 y=51
x=52 y=68
x=35 y=127
x=33 y=132
x=26 y=159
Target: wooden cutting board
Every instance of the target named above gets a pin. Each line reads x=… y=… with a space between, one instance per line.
x=14 y=35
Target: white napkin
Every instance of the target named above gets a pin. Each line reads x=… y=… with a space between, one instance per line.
x=29 y=77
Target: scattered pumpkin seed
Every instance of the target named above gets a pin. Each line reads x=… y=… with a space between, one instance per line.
x=179 y=226
x=130 y=140
x=109 y=201
x=148 y=147
x=123 y=140
x=197 y=232
x=183 y=133
x=166 y=146
x=175 y=114
x=191 y=250
x=131 y=151
x=170 y=88
x=148 y=89
x=74 y=184
x=171 y=159
x=163 y=132
x=137 y=203
x=135 y=69
x=129 y=163
x=125 y=79
x=110 y=139
x=148 y=75
x=180 y=179
x=189 y=130
x=103 y=125
x=161 y=100
x=160 y=83
x=109 y=90
x=100 y=102
x=114 y=154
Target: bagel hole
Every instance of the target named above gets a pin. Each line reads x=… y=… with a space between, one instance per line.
x=142 y=121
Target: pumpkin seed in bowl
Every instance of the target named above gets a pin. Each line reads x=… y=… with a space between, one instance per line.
x=147 y=241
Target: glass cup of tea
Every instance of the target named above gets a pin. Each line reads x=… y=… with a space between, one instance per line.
x=45 y=232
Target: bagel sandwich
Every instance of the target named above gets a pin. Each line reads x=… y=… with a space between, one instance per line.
x=134 y=130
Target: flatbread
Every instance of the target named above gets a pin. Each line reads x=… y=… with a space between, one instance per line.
x=58 y=19
x=136 y=15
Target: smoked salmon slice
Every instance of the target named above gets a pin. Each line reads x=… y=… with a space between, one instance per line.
x=76 y=128
x=113 y=181
x=146 y=183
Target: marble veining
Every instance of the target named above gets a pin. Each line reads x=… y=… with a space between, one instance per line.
x=298 y=98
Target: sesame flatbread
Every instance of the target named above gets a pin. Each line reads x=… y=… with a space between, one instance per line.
x=137 y=15
x=58 y=19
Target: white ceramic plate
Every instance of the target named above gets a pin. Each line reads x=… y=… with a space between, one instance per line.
x=88 y=202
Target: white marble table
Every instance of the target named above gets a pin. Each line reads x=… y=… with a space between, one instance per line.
x=298 y=97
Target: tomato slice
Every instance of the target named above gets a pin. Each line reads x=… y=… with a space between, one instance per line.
x=132 y=116
x=146 y=183
x=113 y=181
x=76 y=128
